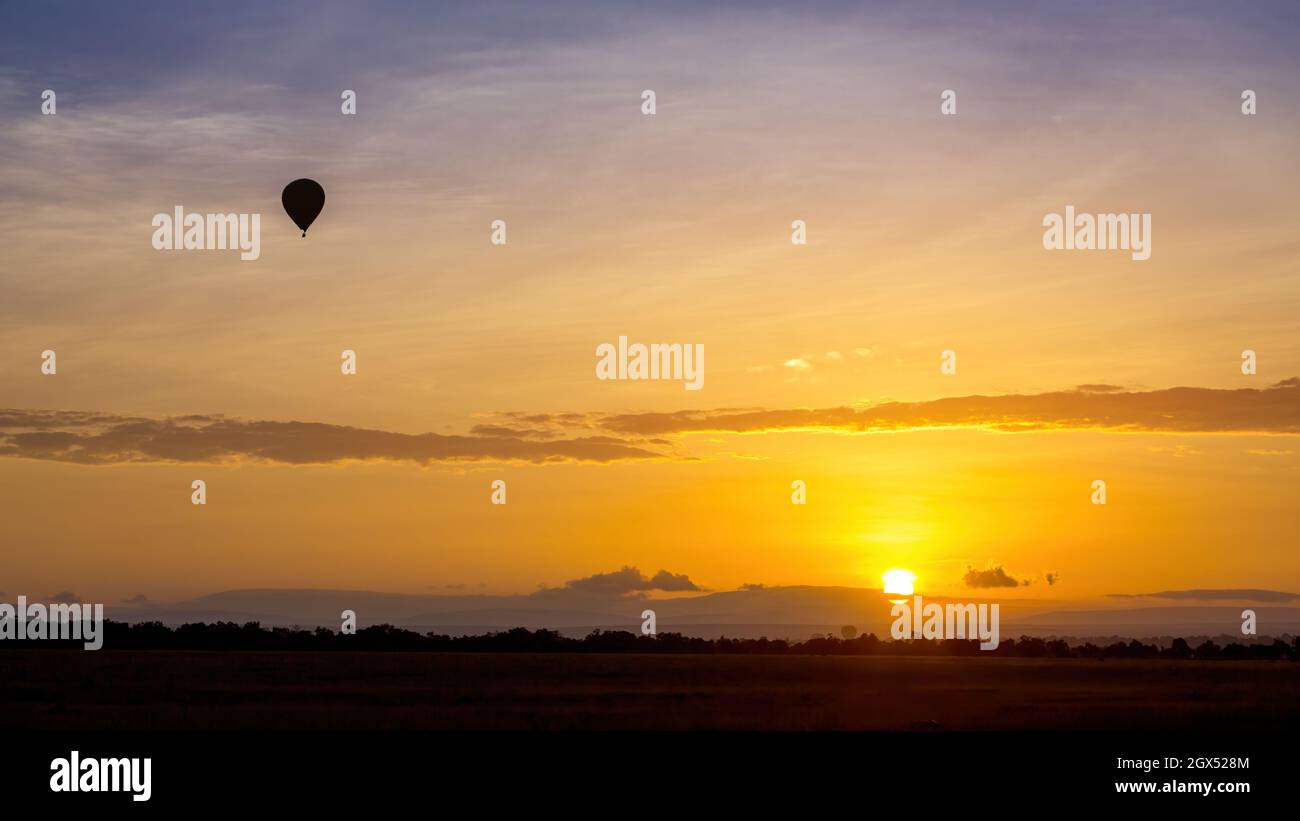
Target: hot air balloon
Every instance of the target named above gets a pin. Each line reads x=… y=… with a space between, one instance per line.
x=303 y=200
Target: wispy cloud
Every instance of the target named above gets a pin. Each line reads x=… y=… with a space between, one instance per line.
x=100 y=439
x=1236 y=594
x=1275 y=409
x=87 y=437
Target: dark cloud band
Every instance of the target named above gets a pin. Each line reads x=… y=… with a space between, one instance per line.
x=99 y=439
x=1275 y=409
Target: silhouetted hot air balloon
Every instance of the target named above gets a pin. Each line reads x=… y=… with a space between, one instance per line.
x=303 y=200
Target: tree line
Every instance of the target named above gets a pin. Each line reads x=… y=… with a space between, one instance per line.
x=224 y=635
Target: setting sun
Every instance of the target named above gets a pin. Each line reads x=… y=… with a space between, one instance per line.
x=899 y=582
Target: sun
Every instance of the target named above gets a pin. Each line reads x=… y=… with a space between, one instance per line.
x=899 y=582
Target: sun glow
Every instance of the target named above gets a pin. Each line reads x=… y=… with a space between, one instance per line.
x=899 y=582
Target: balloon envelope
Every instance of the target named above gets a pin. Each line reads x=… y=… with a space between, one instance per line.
x=303 y=200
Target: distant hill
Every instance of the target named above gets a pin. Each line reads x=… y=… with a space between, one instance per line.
x=795 y=612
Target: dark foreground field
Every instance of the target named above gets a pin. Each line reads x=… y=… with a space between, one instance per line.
x=121 y=690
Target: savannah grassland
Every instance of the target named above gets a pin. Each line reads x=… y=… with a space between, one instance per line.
x=122 y=690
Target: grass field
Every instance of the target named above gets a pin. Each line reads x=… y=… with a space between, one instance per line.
x=120 y=690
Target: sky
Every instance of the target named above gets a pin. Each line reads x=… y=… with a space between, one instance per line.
x=476 y=362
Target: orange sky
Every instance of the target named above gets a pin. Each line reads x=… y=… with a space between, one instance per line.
x=924 y=235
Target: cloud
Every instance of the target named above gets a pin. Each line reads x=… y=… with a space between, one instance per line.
x=993 y=577
x=101 y=439
x=672 y=582
x=1051 y=578
x=138 y=598
x=92 y=438
x=631 y=580
x=63 y=597
x=1203 y=594
x=1178 y=451
x=805 y=363
x=1274 y=409
x=1096 y=388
